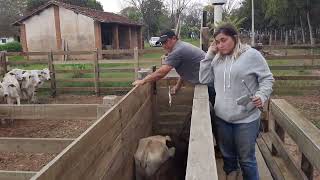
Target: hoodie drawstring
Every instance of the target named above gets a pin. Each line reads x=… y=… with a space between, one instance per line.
x=224 y=74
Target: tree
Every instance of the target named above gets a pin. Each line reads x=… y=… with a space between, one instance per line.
x=33 y=4
x=132 y=13
x=152 y=12
x=9 y=12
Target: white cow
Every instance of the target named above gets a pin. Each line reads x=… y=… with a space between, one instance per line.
x=29 y=85
x=1 y=90
x=18 y=73
x=11 y=89
x=152 y=152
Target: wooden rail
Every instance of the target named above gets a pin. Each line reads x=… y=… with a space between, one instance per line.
x=16 y=175
x=49 y=111
x=98 y=83
x=286 y=119
x=201 y=156
x=34 y=145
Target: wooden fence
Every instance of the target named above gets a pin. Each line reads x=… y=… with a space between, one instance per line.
x=97 y=69
x=201 y=157
x=284 y=120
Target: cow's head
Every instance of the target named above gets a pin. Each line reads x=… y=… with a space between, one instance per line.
x=45 y=73
x=152 y=152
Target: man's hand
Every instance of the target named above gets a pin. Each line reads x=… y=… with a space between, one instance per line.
x=257 y=101
x=138 y=82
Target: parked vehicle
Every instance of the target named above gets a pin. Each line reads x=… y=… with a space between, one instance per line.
x=153 y=40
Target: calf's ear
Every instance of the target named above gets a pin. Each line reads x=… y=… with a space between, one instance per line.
x=12 y=85
x=11 y=73
x=24 y=72
x=169 y=143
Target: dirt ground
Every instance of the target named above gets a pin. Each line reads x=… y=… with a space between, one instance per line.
x=71 y=99
x=24 y=161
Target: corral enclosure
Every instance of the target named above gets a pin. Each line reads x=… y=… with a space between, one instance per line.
x=105 y=148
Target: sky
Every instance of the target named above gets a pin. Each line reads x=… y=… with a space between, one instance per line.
x=116 y=5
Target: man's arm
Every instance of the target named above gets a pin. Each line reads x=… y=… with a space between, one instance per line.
x=155 y=76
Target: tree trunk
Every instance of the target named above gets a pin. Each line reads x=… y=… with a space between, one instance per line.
x=310 y=28
x=286 y=39
x=302 y=31
x=295 y=35
x=270 y=37
x=275 y=35
x=281 y=35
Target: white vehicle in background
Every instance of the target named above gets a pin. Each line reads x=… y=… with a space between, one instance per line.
x=153 y=41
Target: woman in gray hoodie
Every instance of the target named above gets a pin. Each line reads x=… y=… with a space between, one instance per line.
x=243 y=83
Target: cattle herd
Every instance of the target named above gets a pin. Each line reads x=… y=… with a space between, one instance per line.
x=20 y=84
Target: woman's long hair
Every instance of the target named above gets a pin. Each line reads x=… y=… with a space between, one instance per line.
x=229 y=30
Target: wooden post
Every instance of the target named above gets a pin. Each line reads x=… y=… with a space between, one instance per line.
x=96 y=72
x=307 y=167
x=154 y=68
x=52 y=75
x=280 y=132
x=136 y=59
x=266 y=117
x=204 y=37
x=3 y=63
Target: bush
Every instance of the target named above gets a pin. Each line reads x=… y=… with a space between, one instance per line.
x=11 y=47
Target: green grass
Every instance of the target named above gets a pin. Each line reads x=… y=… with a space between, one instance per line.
x=152 y=55
x=16 y=58
x=195 y=42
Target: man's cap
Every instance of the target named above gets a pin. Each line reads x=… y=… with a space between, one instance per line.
x=165 y=35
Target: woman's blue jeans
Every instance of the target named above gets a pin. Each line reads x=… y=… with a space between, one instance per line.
x=237 y=145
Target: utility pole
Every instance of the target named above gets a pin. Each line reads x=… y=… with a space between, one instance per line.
x=218 y=10
x=252 y=23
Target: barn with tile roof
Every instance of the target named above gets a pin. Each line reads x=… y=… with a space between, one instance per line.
x=60 y=26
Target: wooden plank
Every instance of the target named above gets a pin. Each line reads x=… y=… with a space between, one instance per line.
x=264 y=172
x=96 y=64
x=3 y=64
x=34 y=145
x=290 y=162
x=85 y=89
x=183 y=97
x=16 y=175
x=74 y=71
x=104 y=70
x=307 y=46
x=131 y=61
x=293 y=57
x=301 y=130
x=138 y=127
x=272 y=165
x=116 y=79
x=28 y=53
x=49 y=111
x=75 y=160
x=294 y=67
x=201 y=156
x=297 y=77
x=29 y=62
